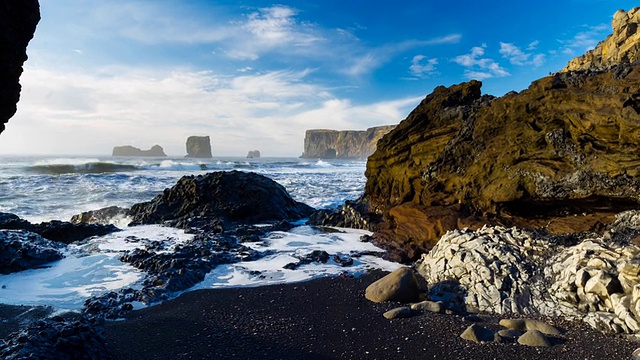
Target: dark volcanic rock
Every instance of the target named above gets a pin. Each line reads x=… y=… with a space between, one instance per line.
x=57 y=339
x=101 y=216
x=353 y=214
x=566 y=146
x=128 y=150
x=22 y=250
x=198 y=147
x=220 y=198
x=56 y=230
x=348 y=144
x=18 y=20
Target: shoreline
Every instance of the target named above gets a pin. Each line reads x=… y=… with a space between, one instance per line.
x=326 y=318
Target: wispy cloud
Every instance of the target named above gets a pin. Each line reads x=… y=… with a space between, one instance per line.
x=584 y=40
x=87 y=112
x=422 y=67
x=516 y=56
x=479 y=67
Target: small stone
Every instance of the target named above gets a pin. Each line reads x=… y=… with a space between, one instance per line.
x=427 y=305
x=510 y=334
x=398 y=313
x=478 y=334
x=399 y=285
x=534 y=338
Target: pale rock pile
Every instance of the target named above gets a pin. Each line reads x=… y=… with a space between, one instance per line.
x=500 y=270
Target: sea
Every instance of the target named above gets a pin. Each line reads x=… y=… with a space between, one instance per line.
x=56 y=188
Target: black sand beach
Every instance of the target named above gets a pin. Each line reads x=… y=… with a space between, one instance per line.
x=327 y=318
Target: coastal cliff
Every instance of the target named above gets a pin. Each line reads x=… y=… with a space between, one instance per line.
x=199 y=147
x=559 y=156
x=348 y=144
x=18 y=20
x=621 y=47
x=128 y=150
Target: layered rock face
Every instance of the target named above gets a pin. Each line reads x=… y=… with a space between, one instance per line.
x=18 y=20
x=621 y=47
x=349 y=144
x=199 y=147
x=566 y=146
x=128 y=150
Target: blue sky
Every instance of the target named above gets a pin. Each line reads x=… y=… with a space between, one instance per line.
x=257 y=74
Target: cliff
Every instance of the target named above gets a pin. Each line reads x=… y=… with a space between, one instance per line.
x=349 y=144
x=253 y=154
x=128 y=150
x=18 y=20
x=199 y=147
x=621 y=47
x=561 y=155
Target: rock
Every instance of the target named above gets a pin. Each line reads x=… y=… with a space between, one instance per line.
x=534 y=338
x=56 y=230
x=199 y=147
x=398 y=313
x=622 y=46
x=478 y=334
x=253 y=154
x=102 y=216
x=21 y=250
x=57 y=338
x=350 y=144
x=128 y=150
x=636 y=354
x=349 y=215
x=510 y=334
x=218 y=198
x=427 y=305
x=319 y=256
x=529 y=324
x=399 y=285
x=18 y=20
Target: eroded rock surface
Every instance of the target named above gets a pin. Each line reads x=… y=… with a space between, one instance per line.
x=621 y=47
x=22 y=250
x=199 y=147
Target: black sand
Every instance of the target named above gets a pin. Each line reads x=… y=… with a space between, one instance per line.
x=323 y=319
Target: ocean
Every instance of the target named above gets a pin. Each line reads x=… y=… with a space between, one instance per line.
x=55 y=188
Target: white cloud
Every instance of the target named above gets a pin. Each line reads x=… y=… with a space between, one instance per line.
x=517 y=57
x=533 y=45
x=479 y=67
x=420 y=69
x=90 y=112
x=584 y=40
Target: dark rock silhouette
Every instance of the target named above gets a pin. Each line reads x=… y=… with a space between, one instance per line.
x=128 y=150
x=199 y=147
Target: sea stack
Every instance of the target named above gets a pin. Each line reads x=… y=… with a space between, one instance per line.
x=253 y=154
x=128 y=150
x=18 y=20
x=199 y=147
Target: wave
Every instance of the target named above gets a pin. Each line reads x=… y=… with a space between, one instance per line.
x=81 y=168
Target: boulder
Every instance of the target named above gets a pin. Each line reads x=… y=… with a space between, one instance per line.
x=398 y=313
x=198 y=147
x=529 y=324
x=428 y=305
x=21 y=250
x=399 y=285
x=18 y=20
x=253 y=154
x=128 y=150
x=534 y=338
x=102 y=216
x=478 y=334
x=349 y=144
x=220 y=198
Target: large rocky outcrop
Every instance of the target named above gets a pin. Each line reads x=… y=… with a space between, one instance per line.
x=621 y=47
x=128 y=150
x=18 y=20
x=561 y=154
x=253 y=154
x=199 y=147
x=349 y=144
x=220 y=198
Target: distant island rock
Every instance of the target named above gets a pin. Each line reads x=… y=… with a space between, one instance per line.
x=18 y=20
x=253 y=154
x=199 y=147
x=348 y=144
x=128 y=150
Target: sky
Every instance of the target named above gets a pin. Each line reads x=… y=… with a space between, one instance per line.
x=257 y=74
